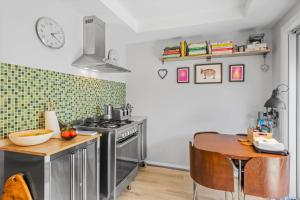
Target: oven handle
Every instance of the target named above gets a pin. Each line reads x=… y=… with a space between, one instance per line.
x=127 y=142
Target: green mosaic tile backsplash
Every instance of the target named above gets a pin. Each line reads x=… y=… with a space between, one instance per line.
x=25 y=93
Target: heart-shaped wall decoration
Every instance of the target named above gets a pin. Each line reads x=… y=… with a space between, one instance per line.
x=162 y=73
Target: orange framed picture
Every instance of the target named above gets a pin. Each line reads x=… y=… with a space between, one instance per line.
x=208 y=73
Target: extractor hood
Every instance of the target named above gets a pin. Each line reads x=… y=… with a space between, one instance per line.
x=94 y=57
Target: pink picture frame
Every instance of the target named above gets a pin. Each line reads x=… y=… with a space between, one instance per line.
x=183 y=75
x=237 y=73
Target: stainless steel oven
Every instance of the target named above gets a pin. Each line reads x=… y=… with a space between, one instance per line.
x=127 y=158
x=119 y=154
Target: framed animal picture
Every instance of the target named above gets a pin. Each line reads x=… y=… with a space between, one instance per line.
x=208 y=73
x=237 y=73
x=183 y=75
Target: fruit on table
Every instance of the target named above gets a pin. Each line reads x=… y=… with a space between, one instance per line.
x=72 y=133
x=65 y=134
x=69 y=134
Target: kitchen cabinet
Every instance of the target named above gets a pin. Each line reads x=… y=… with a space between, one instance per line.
x=71 y=174
x=74 y=175
x=60 y=178
x=92 y=173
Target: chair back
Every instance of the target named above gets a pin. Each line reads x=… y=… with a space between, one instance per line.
x=204 y=132
x=267 y=177
x=210 y=169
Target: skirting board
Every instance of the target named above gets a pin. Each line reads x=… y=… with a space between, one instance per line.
x=178 y=167
x=167 y=165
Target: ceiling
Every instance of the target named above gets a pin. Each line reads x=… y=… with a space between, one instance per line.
x=144 y=20
x=143 y=16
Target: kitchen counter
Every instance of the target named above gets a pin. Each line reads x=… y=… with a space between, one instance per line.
x=53 y=146
x=52 y=168
x=137 y=118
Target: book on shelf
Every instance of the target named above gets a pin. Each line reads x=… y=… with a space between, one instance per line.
x=183 y=48
x=171 y=56
x=256 y=47
x=199 y=48
x=222 y=49
x=222 y=52
x=221 y=44
x=197 y=53
x=170 y=52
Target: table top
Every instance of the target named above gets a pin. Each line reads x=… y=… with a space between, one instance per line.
x=54 y=145
x=227 y=145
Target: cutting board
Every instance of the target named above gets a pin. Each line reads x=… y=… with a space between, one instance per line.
x=16 y=188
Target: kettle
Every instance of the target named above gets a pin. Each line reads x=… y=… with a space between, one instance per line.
x=108 y=112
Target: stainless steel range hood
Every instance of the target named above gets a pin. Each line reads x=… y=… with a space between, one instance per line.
x=93 y=57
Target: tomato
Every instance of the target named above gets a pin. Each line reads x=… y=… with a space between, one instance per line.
x=65 y=134
x=73 y=133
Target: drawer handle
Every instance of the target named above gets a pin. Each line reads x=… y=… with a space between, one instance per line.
x=84 y=173
x=72 y=176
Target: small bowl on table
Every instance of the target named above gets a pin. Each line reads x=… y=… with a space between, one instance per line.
x=30 y=137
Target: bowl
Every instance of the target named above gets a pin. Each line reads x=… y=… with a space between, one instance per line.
x=30 y=137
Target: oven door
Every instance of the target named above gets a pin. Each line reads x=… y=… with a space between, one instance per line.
x=127 y=157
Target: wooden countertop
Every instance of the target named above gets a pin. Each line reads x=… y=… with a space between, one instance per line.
x=54 y=145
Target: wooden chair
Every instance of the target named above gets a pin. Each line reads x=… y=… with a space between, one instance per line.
x=16 y=188
x=210 y=169
x=267 y=177
x=204 y=132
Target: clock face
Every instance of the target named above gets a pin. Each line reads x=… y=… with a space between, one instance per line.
x=50 y=33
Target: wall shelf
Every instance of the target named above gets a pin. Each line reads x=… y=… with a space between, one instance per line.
x=210 y=56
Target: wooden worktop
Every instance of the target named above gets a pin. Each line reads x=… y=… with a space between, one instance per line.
x=54 y=145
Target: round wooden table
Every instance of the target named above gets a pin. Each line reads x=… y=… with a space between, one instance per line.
x=229 y=146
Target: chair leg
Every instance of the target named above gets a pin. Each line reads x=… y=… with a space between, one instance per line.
x=226 y=196
x=195 y=195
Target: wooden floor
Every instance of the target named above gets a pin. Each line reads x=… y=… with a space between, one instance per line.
x=154 y=183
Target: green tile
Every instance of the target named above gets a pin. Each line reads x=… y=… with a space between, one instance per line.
x=25 y=91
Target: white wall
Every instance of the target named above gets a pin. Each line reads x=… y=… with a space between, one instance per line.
x=19 y=43
x=176 y=111
x=280 y=59
x=282 y=74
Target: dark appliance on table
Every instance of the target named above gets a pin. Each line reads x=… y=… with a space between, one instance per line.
x=119 y=153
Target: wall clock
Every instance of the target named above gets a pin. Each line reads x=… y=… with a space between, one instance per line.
x=50 y=33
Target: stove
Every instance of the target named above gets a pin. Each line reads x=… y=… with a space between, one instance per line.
x=103 y=123
x=119 y=153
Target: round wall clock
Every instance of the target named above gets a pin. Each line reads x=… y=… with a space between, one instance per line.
x=50 y=33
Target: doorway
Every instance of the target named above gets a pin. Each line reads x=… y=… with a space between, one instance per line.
x=294 y=109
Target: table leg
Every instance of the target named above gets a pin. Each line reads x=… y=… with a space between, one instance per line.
x=240 y=180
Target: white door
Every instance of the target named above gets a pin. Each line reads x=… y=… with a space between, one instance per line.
x=292 y=138
x=298 y=116
x=294 y=111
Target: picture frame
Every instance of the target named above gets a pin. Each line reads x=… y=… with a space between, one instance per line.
x=237 y=73
x=183 y=75
x=210 y=73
